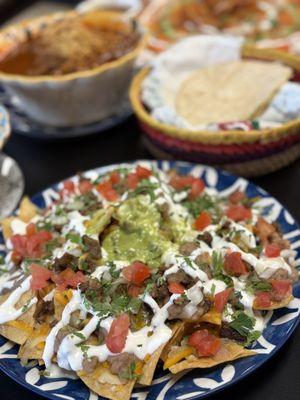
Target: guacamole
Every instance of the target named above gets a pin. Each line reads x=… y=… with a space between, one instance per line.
x=141 y=233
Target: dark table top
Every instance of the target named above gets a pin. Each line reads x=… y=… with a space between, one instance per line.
x=44 y=163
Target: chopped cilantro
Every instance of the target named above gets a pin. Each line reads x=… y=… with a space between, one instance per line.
x=252 y=337
x=217 y=265
x=60 y=211
x=135 y=305
x=120 y=304
x=257 y=285
x=148 y=288
x=145 y=186
x=79 y=335
x=83 y=347
x=161 y=280
x=74 y=238
x=256 y=250
x=114 y=273
x=43 y=225
x=131 y=372
x=213 y=289
x=102 y=309
x=202 y=203
x=260 y=287
x=188 y=262
x=242 y=323
x=83 y=265
x=106 y=286
x=25 y=307
x=51 y=245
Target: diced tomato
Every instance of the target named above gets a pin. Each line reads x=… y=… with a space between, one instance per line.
x=39 y=276
x=203 y=221
x=262 y=300
x=142 y=172
x=132 y=181
x=197 y=188
x=234 y=264
x=134 y=290
x=16 y=257
x=134 y=178
x=117 y=335
x=176 y=288
x=69 y=186
x=180 y=182
x=237 y=197
x=221 y=299
x=30 y=245
x=35 y=243
x=136 y=272
x=107 y=191
x=114 y=177
x=272 y=250
x=238 y=212
x=19 y=245
x=30 y=229
x=85 y=186
x=68 y=278
x=281 y=288
x=206 y=344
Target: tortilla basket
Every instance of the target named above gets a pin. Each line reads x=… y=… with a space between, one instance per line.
x=248 y=153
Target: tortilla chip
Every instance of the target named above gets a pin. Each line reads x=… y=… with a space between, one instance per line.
x=6 y=227
x=105 y=384
x=275 y=304
x=212 y=316
x=61 y=298
x=33 y=348
x=150 y=366
x=229 y=351
x=233 y=91
x=27 y=210
x=178 y=333
x=19 y=330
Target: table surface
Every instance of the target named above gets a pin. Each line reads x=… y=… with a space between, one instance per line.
x=44 y=163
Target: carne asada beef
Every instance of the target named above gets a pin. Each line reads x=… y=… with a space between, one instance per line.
x=121 y=363
x=65 y=261
x=43 y=309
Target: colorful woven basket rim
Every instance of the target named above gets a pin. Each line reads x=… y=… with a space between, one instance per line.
x=250 y=168
x=220 y=149
x=220 y=137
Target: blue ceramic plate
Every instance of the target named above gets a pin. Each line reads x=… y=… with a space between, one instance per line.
x=24 y=125
x=195 y=384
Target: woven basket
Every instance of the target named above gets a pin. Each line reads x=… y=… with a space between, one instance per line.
x=239 y=151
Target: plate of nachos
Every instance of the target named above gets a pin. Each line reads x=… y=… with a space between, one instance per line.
x=150 y=280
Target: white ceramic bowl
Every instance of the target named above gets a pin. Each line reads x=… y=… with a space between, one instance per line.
x=72 y=99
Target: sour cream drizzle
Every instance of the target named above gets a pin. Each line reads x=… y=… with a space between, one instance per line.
x=141 y=343
x=8 y=311
x=73 y=305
